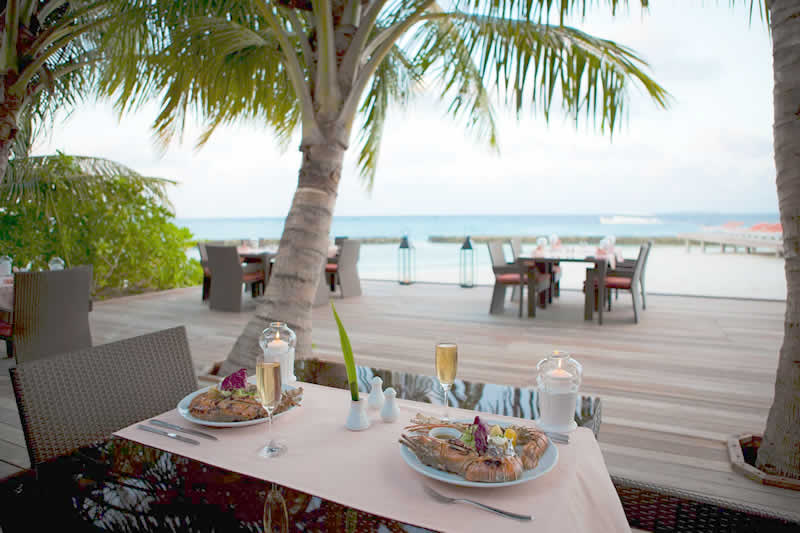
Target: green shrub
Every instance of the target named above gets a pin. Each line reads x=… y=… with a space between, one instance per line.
x=118 y=223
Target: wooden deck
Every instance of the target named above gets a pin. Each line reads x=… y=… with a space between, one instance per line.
x=693 y=372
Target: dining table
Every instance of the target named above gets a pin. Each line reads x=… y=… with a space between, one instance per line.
x=330 y=479
x=545 y=259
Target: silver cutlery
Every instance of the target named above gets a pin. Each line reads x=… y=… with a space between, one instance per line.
x=560 y=438
x=176 y=427
x=168 y=434
x=446 y=499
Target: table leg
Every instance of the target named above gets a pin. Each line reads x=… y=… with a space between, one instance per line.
x=588 y=301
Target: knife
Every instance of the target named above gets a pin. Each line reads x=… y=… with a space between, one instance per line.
x=181 y=428
x=167 y=434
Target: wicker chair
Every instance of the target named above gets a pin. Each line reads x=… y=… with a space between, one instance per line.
x=627 y=282
x=79 y=398
x=227 y=276
x=514 y=275
x=51 y=313
x=345 y=270
x=625 y=269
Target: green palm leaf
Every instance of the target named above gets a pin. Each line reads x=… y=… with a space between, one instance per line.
x=347 y=353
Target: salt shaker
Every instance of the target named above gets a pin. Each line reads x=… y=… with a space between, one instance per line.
x=390 y=412
x=375 y=400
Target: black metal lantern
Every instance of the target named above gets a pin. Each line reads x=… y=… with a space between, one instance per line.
x=406 y=262
x=466 y=264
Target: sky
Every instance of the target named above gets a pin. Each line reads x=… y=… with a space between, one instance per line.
x=710 y=151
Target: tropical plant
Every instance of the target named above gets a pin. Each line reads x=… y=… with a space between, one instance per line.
x=47 y=57
x=347 y=354
x=93 y=211
x=317 y=65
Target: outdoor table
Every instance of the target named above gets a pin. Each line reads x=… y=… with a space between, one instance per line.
x=552 y=256
x=125 y=484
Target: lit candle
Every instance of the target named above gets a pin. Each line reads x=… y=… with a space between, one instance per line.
x=558 y=399
x=279 y=349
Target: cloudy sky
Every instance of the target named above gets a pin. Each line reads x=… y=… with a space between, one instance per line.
x=710 y=151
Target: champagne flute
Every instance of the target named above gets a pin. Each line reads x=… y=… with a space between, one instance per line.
x=268 y=383
x=446 y=366
x=276 y=520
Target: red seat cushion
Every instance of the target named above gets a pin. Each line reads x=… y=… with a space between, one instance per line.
x=331 y=267
x=508 y=279
x=617 y=282
x=253 y=276
x=5 y=328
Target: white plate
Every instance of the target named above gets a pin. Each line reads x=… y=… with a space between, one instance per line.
x=546 y=463
x=183 y=409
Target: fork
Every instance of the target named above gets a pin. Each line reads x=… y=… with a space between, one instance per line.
x=446 y=499
x=561 y=438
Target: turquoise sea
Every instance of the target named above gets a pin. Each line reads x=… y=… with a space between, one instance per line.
x=671 y=269
x=419 y=228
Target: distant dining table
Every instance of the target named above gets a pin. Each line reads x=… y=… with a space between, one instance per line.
x=549 y=257
x=331 y=479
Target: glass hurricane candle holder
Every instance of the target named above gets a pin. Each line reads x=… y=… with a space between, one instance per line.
x=558 y=379
x=56 y=263
x=278 y=342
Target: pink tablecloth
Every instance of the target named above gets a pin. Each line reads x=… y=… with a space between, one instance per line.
x=365 y=470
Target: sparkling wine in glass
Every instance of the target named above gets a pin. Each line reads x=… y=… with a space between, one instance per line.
x=446 y=366
x=268 y=383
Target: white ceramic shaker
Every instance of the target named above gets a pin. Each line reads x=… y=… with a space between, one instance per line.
x=390 y=411
x=375 y=400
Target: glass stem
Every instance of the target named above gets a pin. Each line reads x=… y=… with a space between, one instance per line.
x=446 y=398
x=269 y=429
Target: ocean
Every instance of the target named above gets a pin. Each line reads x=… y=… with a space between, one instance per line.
x=419 y=228
x=671 y=269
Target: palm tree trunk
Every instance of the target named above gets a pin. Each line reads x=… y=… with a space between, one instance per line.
x=303 y=249
x=780 y=450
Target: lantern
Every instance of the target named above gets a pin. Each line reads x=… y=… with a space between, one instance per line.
x=466 y=264
x=406 y=262
x=557 y=382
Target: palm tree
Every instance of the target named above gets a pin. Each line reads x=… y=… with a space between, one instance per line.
x=780 y=450
x=318 y=65
x=47 y=55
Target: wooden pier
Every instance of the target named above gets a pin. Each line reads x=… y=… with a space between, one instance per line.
x=751 y=242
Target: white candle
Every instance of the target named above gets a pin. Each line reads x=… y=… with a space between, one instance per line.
x=279 y=349
x=557 y=399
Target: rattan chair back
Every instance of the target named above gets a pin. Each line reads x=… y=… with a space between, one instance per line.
x=226 y=278
x=75 y=399
x=51 y=312
x=496 y=254
x=347 y=270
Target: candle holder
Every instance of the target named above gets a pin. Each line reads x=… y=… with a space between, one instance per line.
x=278 y=342
x=557 y=381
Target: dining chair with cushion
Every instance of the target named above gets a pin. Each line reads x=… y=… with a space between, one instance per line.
x=514 y=275
x=228 y=275
x=345 y=270
x=626 y=267
x=551 y=267
x=51 y=313
x=81 y=397
x=612 y=280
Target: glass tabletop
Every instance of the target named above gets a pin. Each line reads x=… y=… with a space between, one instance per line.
x=121 y=485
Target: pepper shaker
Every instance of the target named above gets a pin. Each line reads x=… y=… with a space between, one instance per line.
x=390 y=411
x=375 y=399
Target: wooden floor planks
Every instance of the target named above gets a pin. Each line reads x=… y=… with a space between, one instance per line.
x=693 y=372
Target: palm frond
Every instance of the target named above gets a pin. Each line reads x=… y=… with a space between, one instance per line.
x=391 y=85
x=547 y=63
x=219 y=68
x=33 y=179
